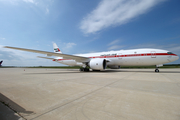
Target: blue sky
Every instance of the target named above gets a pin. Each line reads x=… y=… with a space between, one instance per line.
x=84 y=26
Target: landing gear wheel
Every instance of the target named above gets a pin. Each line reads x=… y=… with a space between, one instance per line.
x=95 y=70
x=156 y=70
x=84 y=69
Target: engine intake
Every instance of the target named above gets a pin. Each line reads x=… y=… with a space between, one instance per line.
x=97 y=64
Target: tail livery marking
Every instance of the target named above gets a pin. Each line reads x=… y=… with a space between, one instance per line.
x=57 y=50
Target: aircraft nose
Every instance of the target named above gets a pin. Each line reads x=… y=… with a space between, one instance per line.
x=177 y=57
x=174 y=58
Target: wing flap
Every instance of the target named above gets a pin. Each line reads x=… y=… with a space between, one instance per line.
x=46 y=58
x=65 y=56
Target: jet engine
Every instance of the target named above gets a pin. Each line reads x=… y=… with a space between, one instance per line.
x=114 y=66
x=97 y=64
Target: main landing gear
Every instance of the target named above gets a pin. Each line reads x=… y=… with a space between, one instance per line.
x=84 y=69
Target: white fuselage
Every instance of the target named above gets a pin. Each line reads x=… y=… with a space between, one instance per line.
x=134 y=57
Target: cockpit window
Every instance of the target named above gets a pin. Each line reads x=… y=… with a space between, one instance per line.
x=170 y=53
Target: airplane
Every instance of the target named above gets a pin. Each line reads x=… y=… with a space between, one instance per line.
x=112 y=59
x=1 y=63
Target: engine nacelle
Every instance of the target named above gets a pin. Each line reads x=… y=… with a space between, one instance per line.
x=97 y=64
x=114 y=66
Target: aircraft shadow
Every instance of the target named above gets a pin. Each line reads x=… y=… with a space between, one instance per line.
x=151 y=71
x=106 y=71
x=12 y=105
x=55 y=72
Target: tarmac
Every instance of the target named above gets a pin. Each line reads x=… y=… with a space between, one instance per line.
x=67 y=94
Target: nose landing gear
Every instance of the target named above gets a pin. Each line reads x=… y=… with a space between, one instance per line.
x=156 y=70
x=157 y=66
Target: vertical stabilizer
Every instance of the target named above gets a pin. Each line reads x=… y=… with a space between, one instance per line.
x=1 y=63
x=56 y=49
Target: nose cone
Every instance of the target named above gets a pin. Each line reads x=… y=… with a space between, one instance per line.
x=174 y=58
x=177 y=57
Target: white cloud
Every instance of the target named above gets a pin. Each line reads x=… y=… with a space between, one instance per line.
x=115 y=12
x=115 y=47
x=175 y=49
x=113 y=42
x=31 y=1
x=70 y=45
x=17 y=1
x=2 y=38
x=42 y=4
x=47 y=10
x=66 y=47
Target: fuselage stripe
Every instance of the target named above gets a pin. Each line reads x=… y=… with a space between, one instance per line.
x=127 y=55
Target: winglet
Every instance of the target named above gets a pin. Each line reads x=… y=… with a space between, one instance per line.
x=56 y=48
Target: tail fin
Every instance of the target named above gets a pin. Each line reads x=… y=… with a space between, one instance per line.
x=1 y=63
x=56 y=49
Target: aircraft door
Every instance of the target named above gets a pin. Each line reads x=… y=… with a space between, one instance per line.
x=119 y=60
x=120 y=56
x=153 y=54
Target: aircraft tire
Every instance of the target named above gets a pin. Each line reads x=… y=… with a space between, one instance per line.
x=84 y=69
x=156 y=70
x=81 y=69
x=95 y=70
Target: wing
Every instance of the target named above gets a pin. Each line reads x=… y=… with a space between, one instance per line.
x=65 y=56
